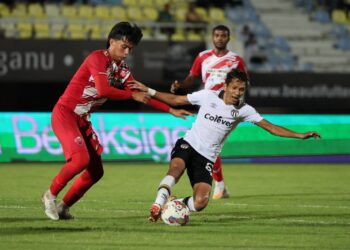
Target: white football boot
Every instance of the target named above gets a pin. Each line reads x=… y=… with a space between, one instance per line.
x=49 y=202
x=220 y=191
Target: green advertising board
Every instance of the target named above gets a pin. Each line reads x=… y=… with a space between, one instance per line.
x=150 y=136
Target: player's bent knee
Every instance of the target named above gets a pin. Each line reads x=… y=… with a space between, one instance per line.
x=81 y=160
x=200 y=203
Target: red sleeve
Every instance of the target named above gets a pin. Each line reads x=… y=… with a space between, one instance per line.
x=196 y=69
x=241 y=65
x=97 y=64
x=159 y=105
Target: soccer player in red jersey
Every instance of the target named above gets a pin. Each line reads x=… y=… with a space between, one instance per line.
x=103 y=75
x=212 y=67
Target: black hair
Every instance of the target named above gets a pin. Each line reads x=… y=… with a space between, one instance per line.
x=122 y=30
x=239 y=74
x=222 y=28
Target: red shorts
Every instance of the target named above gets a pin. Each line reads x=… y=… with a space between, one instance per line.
x=74 y=132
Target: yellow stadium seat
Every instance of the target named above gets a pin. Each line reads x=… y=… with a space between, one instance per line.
x=339 y=16
x=41 y=30
x=159 y=4
x=75 y=31
x=96 y=34
x=130 y=3
x=56 y=30
x=135 y=14
x=192 y=36
x=25 y=30
x=147 y=33
x=19 y=11
x=36 y=10
x=146 y=3
x=180 y=4
x=85 y=11
x=9 y=29
x=202 y=13
x=216 y=15
x=4 y=10
x=52 y=10
x=180 y=14
x=69 y=11
x=178 y=37
x=118 y=13
x=150 y=14
x=102 y=12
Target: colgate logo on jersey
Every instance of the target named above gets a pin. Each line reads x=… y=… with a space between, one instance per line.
x=218 y=119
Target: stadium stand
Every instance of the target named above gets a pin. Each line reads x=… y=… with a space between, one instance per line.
x=287 y=35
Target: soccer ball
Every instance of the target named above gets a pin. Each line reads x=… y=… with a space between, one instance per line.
x=175 y=213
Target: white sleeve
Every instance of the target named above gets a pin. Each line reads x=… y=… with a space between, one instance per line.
x=250 y=114
x=198 y=97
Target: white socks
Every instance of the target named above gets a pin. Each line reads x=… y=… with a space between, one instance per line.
x=190 y=204
x=164 y=189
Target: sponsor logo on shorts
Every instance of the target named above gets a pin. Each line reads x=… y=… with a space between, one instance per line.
x=78 y=140
x=184 y=146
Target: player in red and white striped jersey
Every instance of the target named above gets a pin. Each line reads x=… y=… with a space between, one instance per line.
x=102 y=76
x=212 y=67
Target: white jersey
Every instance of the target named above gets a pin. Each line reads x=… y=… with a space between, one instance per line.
x=215 y=121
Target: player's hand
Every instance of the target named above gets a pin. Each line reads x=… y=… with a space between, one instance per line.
x=138 y=85
x=311 y=134
x=180 y=113
x=175 y=86
x=141 y=97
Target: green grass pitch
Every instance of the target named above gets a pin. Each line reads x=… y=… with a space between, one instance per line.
x=272 y=206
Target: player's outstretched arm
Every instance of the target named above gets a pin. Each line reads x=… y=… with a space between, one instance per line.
x=181 y=113
x=176 y=85
x=171 y=99
x=284 y=132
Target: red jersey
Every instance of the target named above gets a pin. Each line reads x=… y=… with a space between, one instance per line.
x=100 y=78
x=213 y=69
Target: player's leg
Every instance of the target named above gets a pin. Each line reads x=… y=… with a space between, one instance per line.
x=179 y=154
x=199 y=172
x=66 y=128
x=92 y=174
x=200 y=198
x=176 y=169
x=220 y=190
x=81 y=185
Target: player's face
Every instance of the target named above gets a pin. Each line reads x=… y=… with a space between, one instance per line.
x=220 y=39
x=234 y=91
x=120 y=49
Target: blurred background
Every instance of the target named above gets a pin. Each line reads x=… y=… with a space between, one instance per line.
x=297 y=53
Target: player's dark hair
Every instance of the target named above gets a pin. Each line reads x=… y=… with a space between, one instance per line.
x=130 y=32
x=237 y=73
x=222 y=28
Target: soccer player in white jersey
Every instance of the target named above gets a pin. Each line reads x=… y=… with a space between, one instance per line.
x=219 y=114
x=212 y=66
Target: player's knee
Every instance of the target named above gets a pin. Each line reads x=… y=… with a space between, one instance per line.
x=201 y=202
x=80 y=160
x=176 y=168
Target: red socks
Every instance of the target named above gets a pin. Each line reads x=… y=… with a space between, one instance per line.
x=217 y=170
